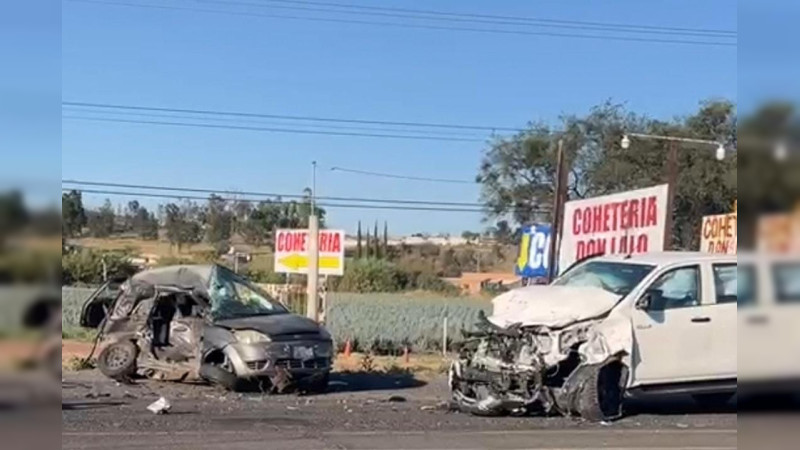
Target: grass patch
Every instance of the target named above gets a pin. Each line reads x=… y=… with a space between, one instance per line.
x=78 y=334
x=76 y=364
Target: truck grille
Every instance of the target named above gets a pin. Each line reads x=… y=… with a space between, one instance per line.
x=316 y=363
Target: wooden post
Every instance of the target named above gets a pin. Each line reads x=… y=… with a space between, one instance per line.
x=672 y=182
x=559 y=199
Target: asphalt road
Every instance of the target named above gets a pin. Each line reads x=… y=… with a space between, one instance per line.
x=363 y=412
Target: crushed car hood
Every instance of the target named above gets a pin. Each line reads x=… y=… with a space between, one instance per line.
x=276 y=325
x=551 y=306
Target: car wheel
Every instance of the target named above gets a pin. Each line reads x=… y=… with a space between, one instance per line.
x=317 y=384
x=713 y=401
x=600 y=396
x=118 y=360
x=221 y=372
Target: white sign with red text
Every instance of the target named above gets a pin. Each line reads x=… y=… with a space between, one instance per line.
x=291 y=251
x=719 y=234
x=631 y=222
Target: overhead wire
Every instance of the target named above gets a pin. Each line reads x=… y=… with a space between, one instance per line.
x=400 y=177
x=207 y=112
x=273 y=129
x=500 y=17
x=417 y=25
x=402 y=13
x=267 y=122
x=247 y=200
x=262 y=194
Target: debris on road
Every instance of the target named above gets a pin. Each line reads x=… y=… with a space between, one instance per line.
x=160 y=406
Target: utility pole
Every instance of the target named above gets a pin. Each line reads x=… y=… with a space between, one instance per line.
x=312 y=303
x=560 y=198
x=672 y=182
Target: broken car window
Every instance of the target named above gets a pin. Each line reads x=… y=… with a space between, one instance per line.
x=234 y=297
x=617 y=278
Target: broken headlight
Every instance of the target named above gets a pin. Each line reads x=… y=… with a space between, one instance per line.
x=568 y=339
x=251 y=337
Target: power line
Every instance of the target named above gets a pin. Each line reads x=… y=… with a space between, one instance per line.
x=418 y=26
x=513 y=18
x=403 y=13
x=267 y=195
x=400 y=177
x=275 y=130
x=263 y=122
x=288 y=117
x=245 y=200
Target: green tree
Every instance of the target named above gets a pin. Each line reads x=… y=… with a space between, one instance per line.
x=101 y=222
x=376 y=241
x=182 y=225
x=359 y=248
x=518 y=172
x=13 y=214
x=73 y=216
x=218 y=220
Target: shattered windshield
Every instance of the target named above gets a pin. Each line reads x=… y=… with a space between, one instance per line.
x=617 y=278
x=232 y=297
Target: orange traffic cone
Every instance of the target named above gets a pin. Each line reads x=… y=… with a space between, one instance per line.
x=348 y=349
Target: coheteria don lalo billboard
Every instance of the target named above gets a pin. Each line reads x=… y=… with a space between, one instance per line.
x=632 y=222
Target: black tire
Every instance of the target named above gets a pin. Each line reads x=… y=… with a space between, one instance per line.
x=600 y=395
x=317 y=384
x=118 y=361
x=713 y=401
x=221 y=372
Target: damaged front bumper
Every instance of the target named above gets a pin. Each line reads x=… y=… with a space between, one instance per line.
x=300 y=359
x=528 y=370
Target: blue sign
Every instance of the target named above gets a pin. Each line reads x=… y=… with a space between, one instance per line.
x=534 y=252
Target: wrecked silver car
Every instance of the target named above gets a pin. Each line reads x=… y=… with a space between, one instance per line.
x=555 y=349
x=185 y=323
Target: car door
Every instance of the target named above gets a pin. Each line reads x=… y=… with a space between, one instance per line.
x=724 y=317
x=770 y=333
x=674 y=335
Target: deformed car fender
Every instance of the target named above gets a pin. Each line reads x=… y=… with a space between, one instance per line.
x=609 y=338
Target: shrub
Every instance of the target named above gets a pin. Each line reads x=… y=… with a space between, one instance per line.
x=87 y=266
x=371 y=275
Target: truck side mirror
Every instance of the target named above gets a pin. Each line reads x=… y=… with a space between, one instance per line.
x=649 y=300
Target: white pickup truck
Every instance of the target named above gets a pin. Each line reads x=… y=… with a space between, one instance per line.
x=769 y=324
x=609 y=327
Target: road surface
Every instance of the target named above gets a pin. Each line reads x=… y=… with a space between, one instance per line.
x=363 y=412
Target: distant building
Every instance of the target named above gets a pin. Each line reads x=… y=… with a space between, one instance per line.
x=476 y=283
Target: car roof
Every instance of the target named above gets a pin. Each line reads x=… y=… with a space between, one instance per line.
x=667 y=258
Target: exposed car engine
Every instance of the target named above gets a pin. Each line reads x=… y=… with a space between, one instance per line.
x=522 y=370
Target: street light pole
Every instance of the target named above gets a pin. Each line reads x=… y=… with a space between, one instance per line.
x=672 y=171
x=558 y=207
x=312 y=291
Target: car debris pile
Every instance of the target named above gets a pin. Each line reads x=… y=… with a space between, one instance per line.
x=542 y=351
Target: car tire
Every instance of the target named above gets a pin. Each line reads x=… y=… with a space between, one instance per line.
x=118 y=360
x=600 y=395
x=713 y=401
x=222 y=374
x=317 y=384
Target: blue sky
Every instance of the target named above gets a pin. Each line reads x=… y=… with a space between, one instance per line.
x=185 y=59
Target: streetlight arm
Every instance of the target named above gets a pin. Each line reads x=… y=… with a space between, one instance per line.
x=673 y=138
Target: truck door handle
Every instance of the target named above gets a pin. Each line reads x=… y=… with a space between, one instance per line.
x=758 y=320
x=701 y=319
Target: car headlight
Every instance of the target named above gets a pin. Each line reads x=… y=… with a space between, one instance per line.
x=596 y=349
x=251 y=337
x=569 y=338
